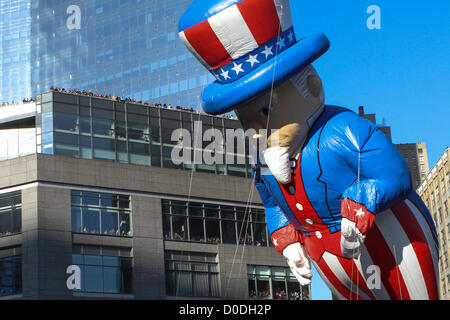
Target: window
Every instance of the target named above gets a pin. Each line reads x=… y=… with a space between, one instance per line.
x=278 y=283
x=101 y=213
x=65 y=122
x=104 y=269
x=10 y=272
x=10 y=214
x=192 y=275
x=212 y=223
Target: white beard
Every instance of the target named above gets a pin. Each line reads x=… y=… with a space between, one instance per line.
x=277 y=159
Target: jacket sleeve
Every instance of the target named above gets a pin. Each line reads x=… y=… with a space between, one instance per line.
x=275 y=218
x=384 y=177
x=281 y=231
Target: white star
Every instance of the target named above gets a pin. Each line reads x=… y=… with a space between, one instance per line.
x=268 y=51
x=237 y=68
x=281 y=43
x=252 y=59
x=359 y=212
x=275 y=242
x=225 y=75
x=291 y=37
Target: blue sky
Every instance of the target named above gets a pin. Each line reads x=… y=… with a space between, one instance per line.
x=400 y=72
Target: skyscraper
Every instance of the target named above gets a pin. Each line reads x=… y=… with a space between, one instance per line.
x=120 y=47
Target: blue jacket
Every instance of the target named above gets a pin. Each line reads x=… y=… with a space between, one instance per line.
x=339 y=143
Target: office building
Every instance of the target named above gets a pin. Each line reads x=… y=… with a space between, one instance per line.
x=415 y=154
x=435 y=192
x=125 y=48
x=93 y=193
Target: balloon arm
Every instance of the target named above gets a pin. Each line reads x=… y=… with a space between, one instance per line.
x=378 y=195
x=381 y=175
x=275 y=217
x=284 y=237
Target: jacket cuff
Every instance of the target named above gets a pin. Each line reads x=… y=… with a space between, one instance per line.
x=285 y=236
x=357 y=213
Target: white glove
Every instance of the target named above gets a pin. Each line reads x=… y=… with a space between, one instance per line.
x=351 y=239
x=299 y=263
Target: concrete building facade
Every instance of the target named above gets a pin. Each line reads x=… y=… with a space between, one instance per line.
x=435 y=192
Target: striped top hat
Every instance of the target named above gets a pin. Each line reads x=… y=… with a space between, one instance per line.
x=248 y=45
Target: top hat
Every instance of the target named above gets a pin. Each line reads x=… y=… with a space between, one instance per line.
x=248 y=45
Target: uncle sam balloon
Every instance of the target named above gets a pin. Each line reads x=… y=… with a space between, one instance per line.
x=336 y=191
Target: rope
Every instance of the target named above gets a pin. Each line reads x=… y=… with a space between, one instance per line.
x=249 y=199
x=355 y=235
x=193 y=168
x=253 y=180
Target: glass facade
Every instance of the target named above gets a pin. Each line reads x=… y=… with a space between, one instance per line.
x=211 y=223
x=276 y=283
x=101 y=213
x=16 y=143
x=10 y=272
x=104 y=270
x=120 y=47
x=192 y=275
x=96 y=128
x=10 y=214
x=15 y=50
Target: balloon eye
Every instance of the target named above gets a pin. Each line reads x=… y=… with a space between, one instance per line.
x=266 y=111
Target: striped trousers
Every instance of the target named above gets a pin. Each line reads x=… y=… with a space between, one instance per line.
x=398 y=261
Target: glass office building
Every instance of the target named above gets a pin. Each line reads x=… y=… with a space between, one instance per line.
x=15 y=50
x=119 y=47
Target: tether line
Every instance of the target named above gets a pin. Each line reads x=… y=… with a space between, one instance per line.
x=253 y=180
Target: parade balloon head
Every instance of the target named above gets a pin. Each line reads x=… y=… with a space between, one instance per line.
x=248 y=45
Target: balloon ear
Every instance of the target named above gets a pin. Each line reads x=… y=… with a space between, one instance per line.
x=314 y=84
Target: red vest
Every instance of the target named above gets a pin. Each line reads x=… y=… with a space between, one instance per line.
x=317 y=238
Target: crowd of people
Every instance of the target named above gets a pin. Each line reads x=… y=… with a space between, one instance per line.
x=279 y=295
x=90 y=93
x=14 y=103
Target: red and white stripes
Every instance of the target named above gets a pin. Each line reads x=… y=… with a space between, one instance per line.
x=237 y=31
x=401 y=244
